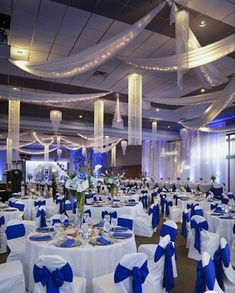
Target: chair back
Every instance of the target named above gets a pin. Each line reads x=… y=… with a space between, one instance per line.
x=168 y=206
x=131 y=273
x=2 y=222
x=15 y=229
x=111 y=214
x=198 y=211
x=163 y=263
x=41 y=217
x=169 y=227
x=52 y=273
x=154 y=213
x=39 y=202
x=58 y=219
x=125 y=221
x=185 y=221
x=204 y=187
x=198 y=224
x=18 y=204
x=60 y=204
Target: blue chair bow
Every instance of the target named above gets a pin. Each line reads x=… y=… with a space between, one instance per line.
x=138 y=276
x=39 y=203
x=165 y=229
x=155 y=216
x=42 y=214
x=153 y=195
x=168 y=276
x=61 y=202
x=221 y=257
x=210 y=276
x=144 y=200
x=18 y=206
x=185 y=220
x=123 y=222
x=111 y=214
x=52 y=280
x=15 y=231
x=175 y=196
x=224 y=200
x=213 y=206
x=198 y=227
x=200 y=282
x=162 y=202
x=2 y=221
x=168 y=204
x=191 y=207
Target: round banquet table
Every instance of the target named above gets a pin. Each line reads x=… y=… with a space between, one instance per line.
x=125 y=198
x=223 y=227
x=86 y=261
x=9 y=214
x=133 y=211
x=204 y=204
x=29 y=205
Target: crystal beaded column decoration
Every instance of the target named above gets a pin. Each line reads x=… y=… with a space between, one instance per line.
x=113 y=156
x=99 y=125
x=182 y=37
x=124 y=146
x=56 y=118
x=14 y=126
x=153 y=153
x=117 y=119
x=9 y=153
x=134 y=109
x=154 y=131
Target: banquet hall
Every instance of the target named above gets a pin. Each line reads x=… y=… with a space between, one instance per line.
x=117 y=146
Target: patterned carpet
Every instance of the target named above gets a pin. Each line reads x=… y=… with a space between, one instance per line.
x=186 y=267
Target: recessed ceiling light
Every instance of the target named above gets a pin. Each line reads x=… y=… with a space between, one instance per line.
x=80 y=116
x=203 y=23
x=19 y=51
x=169 y=126
x=157 y=109
x=203 y=90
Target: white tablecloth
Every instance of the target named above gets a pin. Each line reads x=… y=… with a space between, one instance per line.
x=125 y=198
x=133 y=211
x=89 y=261
x=29 y=205
x=205 y=205
x=223 y=227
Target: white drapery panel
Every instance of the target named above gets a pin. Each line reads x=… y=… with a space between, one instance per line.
x=226 y=98
x=28 y=96
x=207 y=156
x=91 y=57
x=196 y=58
x=155 y=165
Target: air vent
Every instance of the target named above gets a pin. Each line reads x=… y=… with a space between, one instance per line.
x=100 y=74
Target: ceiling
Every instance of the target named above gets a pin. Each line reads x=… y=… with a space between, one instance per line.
x=43 y=30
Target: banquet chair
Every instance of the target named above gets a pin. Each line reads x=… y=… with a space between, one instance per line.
x=233 y=247
x=162 y=265
x=15 y=234
x=209 y=273
x=12 y=277
x=70 y=210
x=18 y=204
x=144 y=199
x=54 y=267
x=217 y=190
x=125 y=221
x=126 y=277
x=185 y=223
x=172 y=212
x=169 y=227
x=41 y=217
x=198 y=211
x=224 y=271
x=59 y=219
x=200 y=239
x=145 y=225
x=37 y=204
x=60 y=205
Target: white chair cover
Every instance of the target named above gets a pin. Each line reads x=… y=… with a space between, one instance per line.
x=16 y=241
x=209 y=240
x=12 y=277
x=205 y=187
x=53 y=262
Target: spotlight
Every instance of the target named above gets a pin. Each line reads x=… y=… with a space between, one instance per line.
x=203 y=90
x=80 y=116
x=157 y=109
x=202 y=23
x=168 y=126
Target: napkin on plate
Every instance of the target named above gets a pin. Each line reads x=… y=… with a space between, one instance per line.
x=45 y=229
x=40 y=237
x=120 y=228
x=226 y=217
x=67 y=243
x=124 y=235
x=103 y=241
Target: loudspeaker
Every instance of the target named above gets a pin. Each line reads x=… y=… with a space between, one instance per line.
x=14 y=178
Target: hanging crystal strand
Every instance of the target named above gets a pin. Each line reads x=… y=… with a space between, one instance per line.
x=117 y=119
x=9 y=153
x=113 y=156
x=99 y=125
x=56 y=118
x=182 y=37
x=134 y=109
x=46 y=152
x=14 y=126
x=154 y=146
x=124 y=146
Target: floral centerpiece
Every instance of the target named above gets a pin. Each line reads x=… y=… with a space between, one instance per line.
x=112 y=180
x=77 y=185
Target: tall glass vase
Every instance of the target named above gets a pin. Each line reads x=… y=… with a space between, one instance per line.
x=80 y=208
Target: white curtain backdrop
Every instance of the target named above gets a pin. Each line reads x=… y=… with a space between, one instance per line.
x=204 y=155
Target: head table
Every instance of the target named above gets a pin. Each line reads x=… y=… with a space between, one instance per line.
x=87 y=260
x=133 y=211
